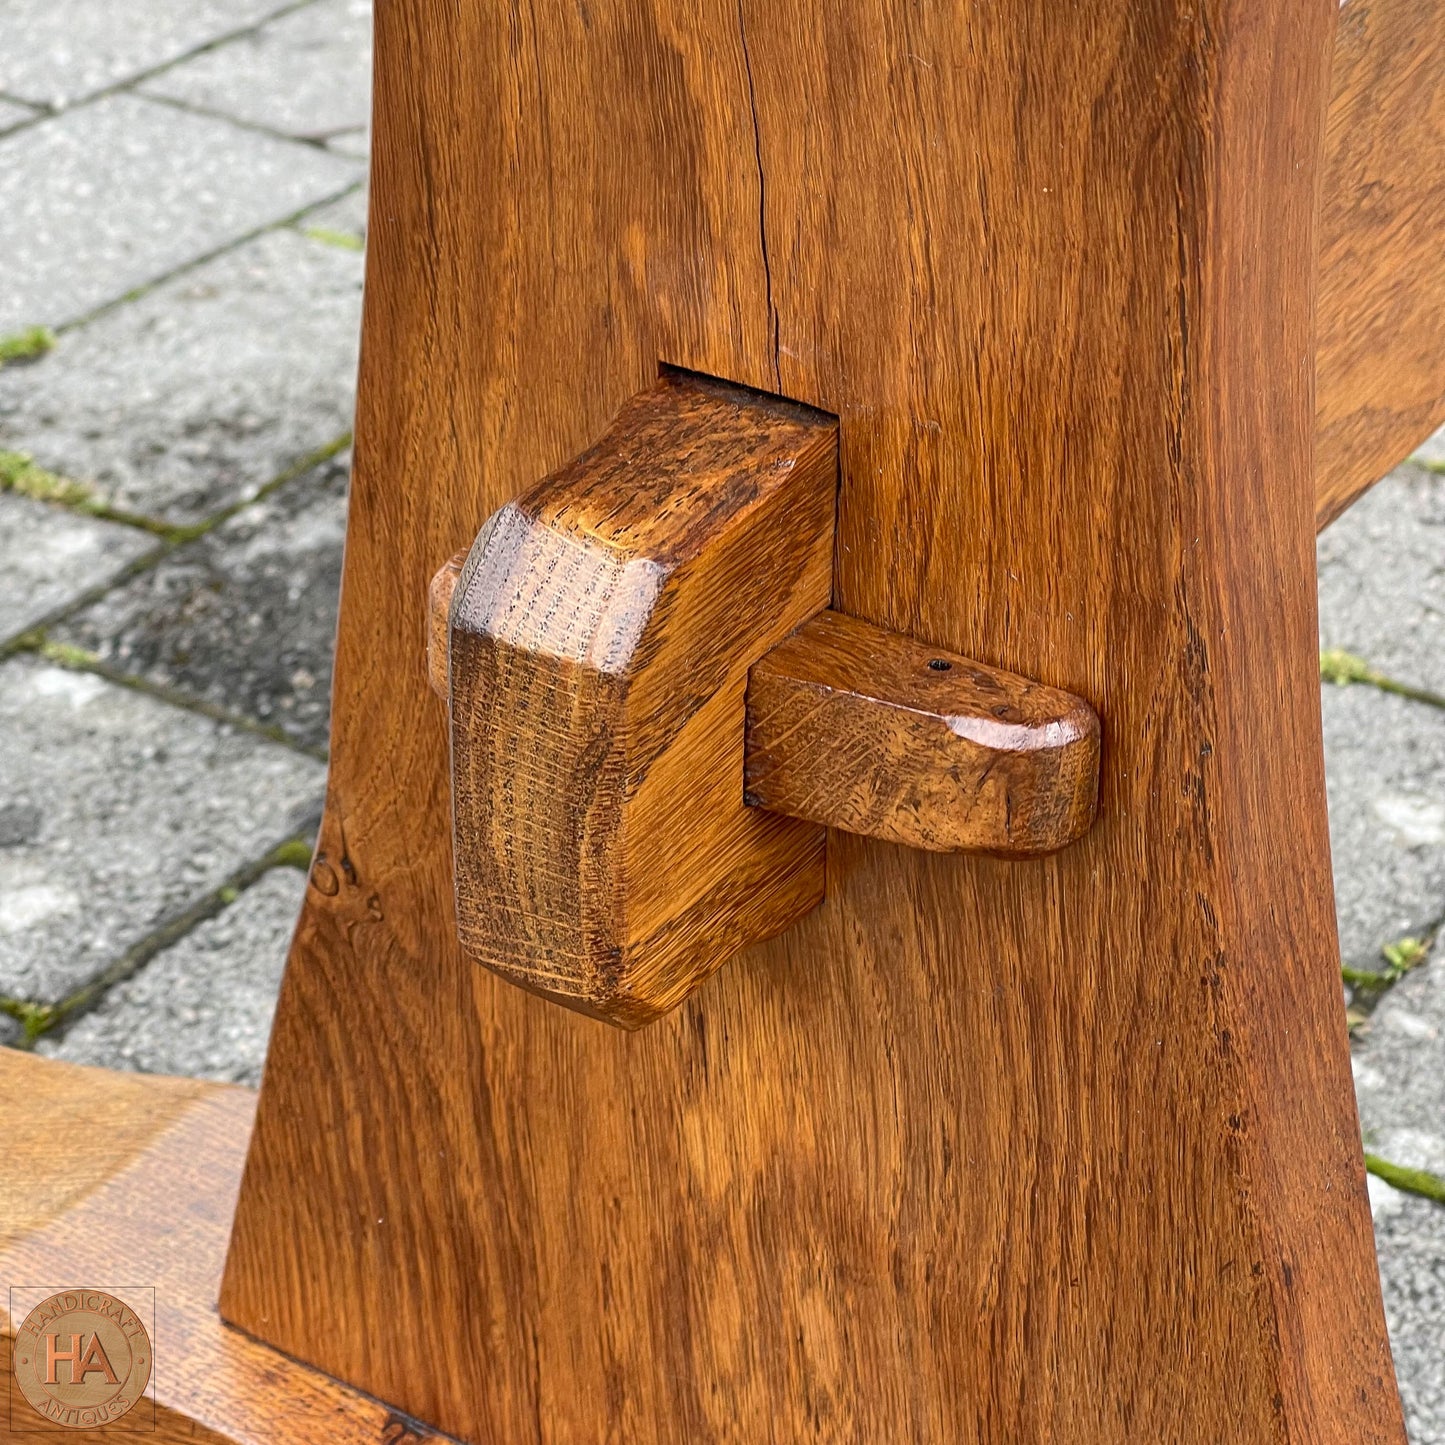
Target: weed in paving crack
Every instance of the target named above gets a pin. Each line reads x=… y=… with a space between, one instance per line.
x=1343 y=668
x=28 y=345
x=1412 y=1181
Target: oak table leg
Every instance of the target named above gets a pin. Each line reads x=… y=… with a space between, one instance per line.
x=1055 y=1150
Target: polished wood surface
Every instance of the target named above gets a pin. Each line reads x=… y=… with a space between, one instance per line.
x=863 y=729
x=1380 y=361
x=878 y=734
x=1061 y=1150
x=119 y=1179
x=600 y=638
x=439 y=606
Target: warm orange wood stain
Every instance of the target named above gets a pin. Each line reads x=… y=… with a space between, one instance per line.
x=114 y=1179
x=627 y=748
x=1051 y=1151
x=600 y=638
x=879 y=734
x=1380 y=361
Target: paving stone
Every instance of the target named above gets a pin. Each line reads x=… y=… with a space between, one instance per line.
x=1385 y=769
x=346 y=216
x=306 y=74
x=116 y=194
x=1382 y=595
x=204 y=1006
x=74 y=48
x=355 y=143
x=205 y=388
x=49 y=556
x=144 y=808
x=244 y=616
x=1400 y=1072
x=12 y=114
x=1382 y=577
x=1410 y=1239
x=1400 y=1084
x=1432 y=450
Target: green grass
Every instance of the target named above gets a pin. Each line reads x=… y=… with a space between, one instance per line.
x=1343 y=668
x=295 y=854
x=27 y=345
x=1401 y=956
x=34 y=1018
x=65 y=654
x=1412 y=1181
x=19 y=473
x=345 y=240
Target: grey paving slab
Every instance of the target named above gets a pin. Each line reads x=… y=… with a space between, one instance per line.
x=356 y=143
x=57 y=51
x=305 y=74
x=1382 y=596
x=1410 y=1239
x=346 y=216
x=244 y=616
x=48 y=556
x=203 y=1007
x=1385 y=768
x=1382 y=577
x=1400 y=1084
x=1385 y=765
x=126 y=810
x=1400 y=1073
x=116 y=194
x=12 y=114
x=1433 y=450
x=205 y=388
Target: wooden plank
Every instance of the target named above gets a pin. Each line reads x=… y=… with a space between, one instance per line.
x=1380 y=361
x=600 y=639
x=878 y=734
x=122 y=1179
x=981 y=1151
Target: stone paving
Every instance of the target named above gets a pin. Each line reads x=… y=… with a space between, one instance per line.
x=182 y=204
x=182 y=215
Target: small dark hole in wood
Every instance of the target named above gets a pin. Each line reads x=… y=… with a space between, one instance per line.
x=939 y=665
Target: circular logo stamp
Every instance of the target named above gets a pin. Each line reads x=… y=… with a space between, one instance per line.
x=82 y=1359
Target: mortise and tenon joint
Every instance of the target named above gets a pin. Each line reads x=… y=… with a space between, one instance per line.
x=655 y=716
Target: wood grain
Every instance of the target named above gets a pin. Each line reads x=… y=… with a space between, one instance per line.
x=1380 y=361
x=600 y=638
x=879 y=734
x=121 y=1179
x=981 y=1151
x=858 y=728
x=439 y=606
